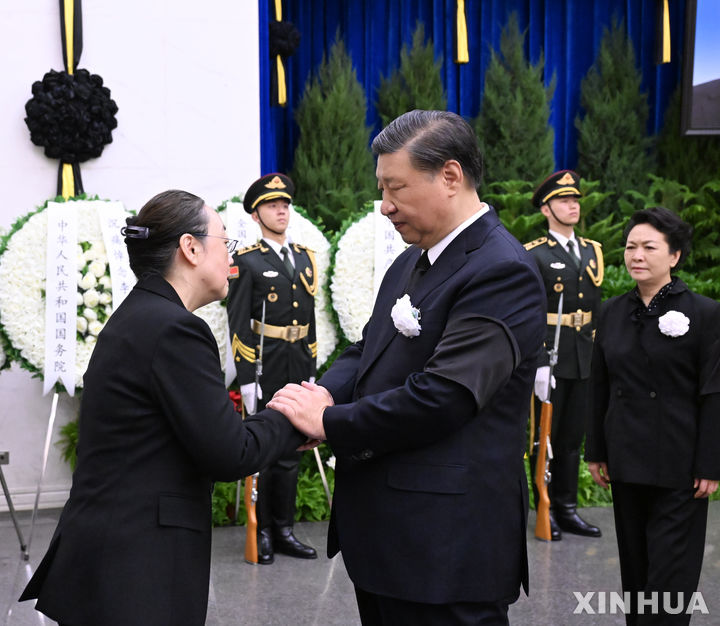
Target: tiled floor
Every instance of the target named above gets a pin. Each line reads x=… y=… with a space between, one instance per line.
x=297 y=592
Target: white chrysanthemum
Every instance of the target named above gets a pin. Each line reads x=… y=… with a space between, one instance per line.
x=95 y=327
x=105 y=282
x=88 y=281
x=97 y=268
x=80 y=300
x=105 y=298
x=82 y=324
x=96 y=252
x=352 y=283
x=216 y=317
x=674 y=324
x=89 y=314
x=91 y=298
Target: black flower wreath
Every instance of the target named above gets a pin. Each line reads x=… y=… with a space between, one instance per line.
x=284 y=39
x=71 y=115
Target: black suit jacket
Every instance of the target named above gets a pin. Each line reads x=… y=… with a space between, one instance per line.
x=430 y=497
x=656 y=414
x=156 y=428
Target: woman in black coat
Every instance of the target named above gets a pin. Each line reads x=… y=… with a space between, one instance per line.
x=156 y=429
x=654 y=433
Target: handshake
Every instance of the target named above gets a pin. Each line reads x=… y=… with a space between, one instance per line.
x=303 y=405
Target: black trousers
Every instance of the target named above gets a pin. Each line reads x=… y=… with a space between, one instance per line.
x=661 y=539
x=377 y=610
x=570 y=408
x=277 y=490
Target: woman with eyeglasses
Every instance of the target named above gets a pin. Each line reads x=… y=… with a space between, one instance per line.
x=156 y=429
x=655 y=428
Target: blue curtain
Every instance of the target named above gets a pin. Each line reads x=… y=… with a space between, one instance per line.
x=568 y=32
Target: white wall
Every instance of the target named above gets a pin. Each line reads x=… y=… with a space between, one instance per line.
x=185 y=78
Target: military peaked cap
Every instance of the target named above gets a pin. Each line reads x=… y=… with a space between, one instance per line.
x=562 y=183
x=269 y=187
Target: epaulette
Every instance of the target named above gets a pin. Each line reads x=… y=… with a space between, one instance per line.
x=592 y=242
x=536 y=243
x=247 y=249
x=301 y=247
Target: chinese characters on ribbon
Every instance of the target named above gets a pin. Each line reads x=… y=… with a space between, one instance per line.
x=112 y=218
x=60 y=297
x=388 y=245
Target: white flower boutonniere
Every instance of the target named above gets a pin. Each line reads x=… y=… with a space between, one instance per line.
x=406 y=317
x=673 y=324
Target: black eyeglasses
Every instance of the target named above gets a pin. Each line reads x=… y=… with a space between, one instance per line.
x=231 y=244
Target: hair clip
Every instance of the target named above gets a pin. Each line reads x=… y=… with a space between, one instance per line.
x=135 y=232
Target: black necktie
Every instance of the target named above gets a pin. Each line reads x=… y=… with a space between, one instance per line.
x=287 y=262
x=422 y=266
x=573 y=254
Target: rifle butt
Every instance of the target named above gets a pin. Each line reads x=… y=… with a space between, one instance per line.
x=542 y=521
x=251 y=548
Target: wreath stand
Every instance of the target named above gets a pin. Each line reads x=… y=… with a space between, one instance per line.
x=46 y=450
x=4 y=460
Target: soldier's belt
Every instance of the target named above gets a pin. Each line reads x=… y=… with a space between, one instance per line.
x=578 y=319
x=286 y=333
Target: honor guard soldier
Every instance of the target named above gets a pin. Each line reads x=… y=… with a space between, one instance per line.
x=572 y=266
x=271 y=314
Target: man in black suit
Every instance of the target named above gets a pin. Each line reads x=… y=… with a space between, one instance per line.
x=426 y=413
x=279 y=278
x=571 y=266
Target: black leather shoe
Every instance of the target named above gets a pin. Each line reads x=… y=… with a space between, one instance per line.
x=570 y=522
x=286 y=543
x=265 y=547
x=555 y=533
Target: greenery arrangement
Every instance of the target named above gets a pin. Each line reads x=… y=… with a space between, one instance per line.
x=417 y=84
x=514 y=113
x=613 y=146
x=333 y=170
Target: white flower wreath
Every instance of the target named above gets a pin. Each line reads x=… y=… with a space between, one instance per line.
x=22 y=291
x=352 y=281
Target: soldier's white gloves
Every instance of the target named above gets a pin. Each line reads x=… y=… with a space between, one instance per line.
x=541 y=383
x=311 y=379
x=249 y=397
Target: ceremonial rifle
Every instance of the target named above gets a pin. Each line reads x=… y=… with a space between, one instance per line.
x=544 y=455
x=251 y=482
x=251 y=494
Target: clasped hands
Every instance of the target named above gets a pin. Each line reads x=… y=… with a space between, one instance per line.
x=303 y=405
